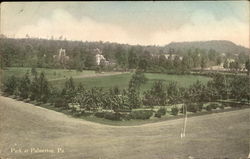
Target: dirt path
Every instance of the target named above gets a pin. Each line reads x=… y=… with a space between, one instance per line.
x=27 y=127
x=92 y=75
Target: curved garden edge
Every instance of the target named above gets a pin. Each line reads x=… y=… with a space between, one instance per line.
x=133 y=122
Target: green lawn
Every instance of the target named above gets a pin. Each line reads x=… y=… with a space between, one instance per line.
x=122 y=80
x=58 y=78
x=50 y=73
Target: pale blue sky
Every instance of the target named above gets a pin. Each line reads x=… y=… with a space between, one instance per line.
x=129 y=22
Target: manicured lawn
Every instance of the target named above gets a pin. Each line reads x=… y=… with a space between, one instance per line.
x=182 y=80
x=49 y=73
x=89 y=79
x=122 y=80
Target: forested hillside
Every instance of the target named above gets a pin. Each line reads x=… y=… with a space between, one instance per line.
x=173 y=57
x=221 y=46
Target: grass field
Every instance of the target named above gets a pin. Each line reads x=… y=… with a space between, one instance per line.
x=89 y=79
x=122 y=80
x=50 y=73
x=25 y=127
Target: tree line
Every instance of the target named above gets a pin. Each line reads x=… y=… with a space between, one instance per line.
x=79 y=99
x=39 y=53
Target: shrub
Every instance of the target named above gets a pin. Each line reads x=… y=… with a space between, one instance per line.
x=113 y=116
x=78 y=113
x=158 y=115
x=160 y=112
x=156 y=95
x=221 y=106
x=141 y=114
x=174 y=110
x=60 y=102
x=193 y=107
x=214 y=105
x=182 y=109
x=100 y=114
x=208 y=108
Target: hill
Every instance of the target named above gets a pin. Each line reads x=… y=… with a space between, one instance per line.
x=221 y=46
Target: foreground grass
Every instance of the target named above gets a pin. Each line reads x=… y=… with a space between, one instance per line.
x=222 y=135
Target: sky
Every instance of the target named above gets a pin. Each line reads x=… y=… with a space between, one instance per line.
x=144 y=23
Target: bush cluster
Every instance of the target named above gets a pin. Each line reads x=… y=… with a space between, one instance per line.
x=174 y=110
x=140 y=114
x=160 y=112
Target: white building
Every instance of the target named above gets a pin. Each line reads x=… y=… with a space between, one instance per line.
x=168 y=56
x=61 y=57
x=98 y=58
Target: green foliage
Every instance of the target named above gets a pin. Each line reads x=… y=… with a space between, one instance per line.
x=32 y=52
x=197 y=93
x=135 y=83
x=43 y=88
x=24 y=86
x=194 y=107
x=110 y=115
x=173 y=93
x=132 y=59
x=138 y=78
x=247 y=66
x=156 y=95
x=174 y=110
x=113 y=116
x=10 y=85
x=214 y=105
x=226 y=64
x=208 y=108
x=160 y=112
x=60 y=102
x=33 y=71
x=140 y=114
x=240 y=86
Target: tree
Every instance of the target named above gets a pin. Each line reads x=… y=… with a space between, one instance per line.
x=10 y=85
x=156 y=95
x=43 y=92
x=203 y=62
x=90 y=61
x=24 y=86
x=212 y=54
x=173 y=93
x=218 y=87
x=143 y=64
x=247 y=66
x=132 y=59
x=34 y=89
x=234 y=65
x=225 y=64
x=177 y=63
x=162 y=61
x=69 y=90
x=240 y=86
x=121 y=57
x=218 y=60
x=33 y=71
x=138 y=78
x=186 y=63
x=135 y=83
